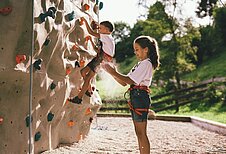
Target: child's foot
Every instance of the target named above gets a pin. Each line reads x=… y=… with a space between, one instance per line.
x=75 y=100
x=88 y=93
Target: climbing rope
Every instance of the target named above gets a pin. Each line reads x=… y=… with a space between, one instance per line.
x=31 y=78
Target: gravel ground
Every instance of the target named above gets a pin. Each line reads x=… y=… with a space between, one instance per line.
x=111 y=135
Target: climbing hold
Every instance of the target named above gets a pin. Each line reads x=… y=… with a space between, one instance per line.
x=52 y=86
x=86 y=7
x=51 y=13
x=38 y=136
x=82 y=63
x=1 y=120
x=77 y=64
x=90 y=119
x=6 y=10
x=70 y=16
x=50 y=116
x=75 y=47
x=37 y=64
x=88 y=111
x=87 y=38
x=20 y=58
x=71 y=123
x=68 y=70
x=97 y=1
x=46 y=41
x=28 y=120
x=81 y=21
x=101 y=4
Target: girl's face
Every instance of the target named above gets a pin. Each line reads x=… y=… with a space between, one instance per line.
x=141 y=53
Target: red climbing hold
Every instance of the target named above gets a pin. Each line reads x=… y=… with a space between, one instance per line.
x=88 y=38
x=20 y=58
x=6 y=10
x=75 y=47
x=1 y=120
x=68 y=70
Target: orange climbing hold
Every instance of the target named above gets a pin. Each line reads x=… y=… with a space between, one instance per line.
x=88 y=111
x=82 y=63
x=1 y=120
x=86 y=7
x=6 y=10
x=71 y=123
x=20 y=58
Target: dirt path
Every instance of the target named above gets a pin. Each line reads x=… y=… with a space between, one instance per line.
x=110 y=135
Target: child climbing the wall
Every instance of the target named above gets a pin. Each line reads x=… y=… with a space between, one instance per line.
x=105 y=52
x=139 y=79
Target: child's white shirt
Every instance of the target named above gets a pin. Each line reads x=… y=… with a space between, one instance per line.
x=108 y=44
x=141 y=73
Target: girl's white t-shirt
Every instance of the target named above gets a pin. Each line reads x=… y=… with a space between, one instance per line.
x=141 y=73
x=108 y=44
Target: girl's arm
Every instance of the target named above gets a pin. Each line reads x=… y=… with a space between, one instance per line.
x=120 y=78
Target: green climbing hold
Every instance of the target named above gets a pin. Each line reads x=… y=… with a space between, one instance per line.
x=50 y=116
x=37 y=136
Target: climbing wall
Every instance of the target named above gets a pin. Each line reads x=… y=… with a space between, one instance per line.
x=61 y=48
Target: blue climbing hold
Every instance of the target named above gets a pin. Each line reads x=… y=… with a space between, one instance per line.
x=38 y=136
x=46 y=41
x=51 y=13
x=101 y=5
x=70 y=16
x=52 y=86
x=28 y=120
x=37 y=64
x=50 y=117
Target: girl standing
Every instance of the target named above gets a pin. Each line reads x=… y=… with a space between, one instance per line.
x=139 y=79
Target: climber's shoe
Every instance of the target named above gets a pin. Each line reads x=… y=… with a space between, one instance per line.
x=88 y=93
x=75 y=100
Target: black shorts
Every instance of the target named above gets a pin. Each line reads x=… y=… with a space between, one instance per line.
x=95 y=62
x=139 y=100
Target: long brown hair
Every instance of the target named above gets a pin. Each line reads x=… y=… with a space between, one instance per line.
x=153 y=49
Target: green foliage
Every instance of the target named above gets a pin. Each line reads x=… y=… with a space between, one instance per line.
x=214 y=67
x=206 y=8
x=220 y=22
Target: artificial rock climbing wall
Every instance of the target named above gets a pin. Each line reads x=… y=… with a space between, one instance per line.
x=61 y=49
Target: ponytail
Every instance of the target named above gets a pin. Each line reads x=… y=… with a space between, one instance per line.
x=153 y=51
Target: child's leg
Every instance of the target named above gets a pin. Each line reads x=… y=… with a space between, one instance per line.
x=84 y=71
x=86 y=84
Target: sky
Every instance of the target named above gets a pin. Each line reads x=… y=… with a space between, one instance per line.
x=128 y=11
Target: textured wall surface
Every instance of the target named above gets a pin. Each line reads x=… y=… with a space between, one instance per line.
x=60 y=51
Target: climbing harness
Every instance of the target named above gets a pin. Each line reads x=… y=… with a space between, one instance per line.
x=135 y=87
